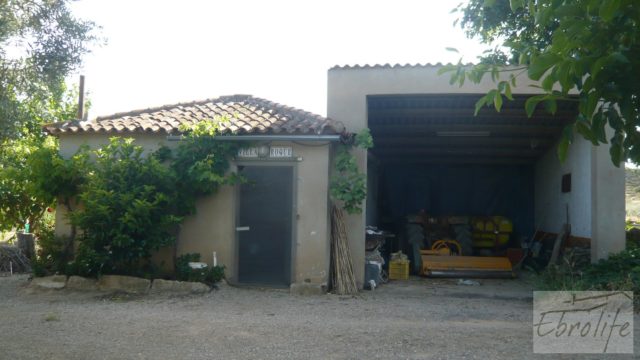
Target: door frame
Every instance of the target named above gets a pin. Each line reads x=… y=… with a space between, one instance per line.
x=294 y=216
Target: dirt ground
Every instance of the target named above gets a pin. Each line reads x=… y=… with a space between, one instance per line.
x=415 y=319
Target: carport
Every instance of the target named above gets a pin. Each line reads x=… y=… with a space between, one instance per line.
x=432 y=155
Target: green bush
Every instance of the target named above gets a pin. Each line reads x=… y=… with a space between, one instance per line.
x=209 y=275
x=131 y=203
x=53 y=253
x=620 y=272
x=127 y=213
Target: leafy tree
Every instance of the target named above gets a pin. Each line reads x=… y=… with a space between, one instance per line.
x=591 y=46
x=41 y=42
x=26 y=168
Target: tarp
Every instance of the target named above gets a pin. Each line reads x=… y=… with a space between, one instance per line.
x=460 y=190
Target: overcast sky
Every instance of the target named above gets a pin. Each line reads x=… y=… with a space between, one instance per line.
x=163 y=52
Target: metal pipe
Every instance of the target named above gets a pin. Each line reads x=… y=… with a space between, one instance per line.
x=266 y=137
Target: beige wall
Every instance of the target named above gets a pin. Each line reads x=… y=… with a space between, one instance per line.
x=213 y=227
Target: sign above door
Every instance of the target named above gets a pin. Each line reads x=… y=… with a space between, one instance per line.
x=270 y=152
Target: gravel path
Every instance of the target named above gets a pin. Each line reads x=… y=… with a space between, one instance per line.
x=416 y=319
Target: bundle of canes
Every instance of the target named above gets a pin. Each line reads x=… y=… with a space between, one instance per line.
x=343 y=280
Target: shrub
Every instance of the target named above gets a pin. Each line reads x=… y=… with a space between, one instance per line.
x=126 y=214
x=132 y=204
x=620 y=272
x=53 y=253
x=209 y=275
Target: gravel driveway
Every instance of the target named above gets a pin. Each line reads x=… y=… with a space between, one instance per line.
x=415 y=319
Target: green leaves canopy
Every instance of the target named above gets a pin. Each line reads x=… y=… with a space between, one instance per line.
x=41 y=43
x=349 y=185
x=590 y=46
x=26 y=171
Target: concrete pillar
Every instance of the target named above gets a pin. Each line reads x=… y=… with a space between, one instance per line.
x=607 y=205
x=349 y=105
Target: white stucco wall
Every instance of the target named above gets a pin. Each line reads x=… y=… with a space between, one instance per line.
x=551 y=203
x=607 y=204
x=596 y=201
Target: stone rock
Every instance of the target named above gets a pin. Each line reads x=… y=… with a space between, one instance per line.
x=178 y=287
x=308 y=289
x=128 y=284
x=81 y=283
x=221 y=284
x=50 y=282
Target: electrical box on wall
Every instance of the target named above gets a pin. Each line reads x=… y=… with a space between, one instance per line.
x=566 y=183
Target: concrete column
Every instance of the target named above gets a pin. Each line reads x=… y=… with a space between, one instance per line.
x=607 y=205
x=346 y=102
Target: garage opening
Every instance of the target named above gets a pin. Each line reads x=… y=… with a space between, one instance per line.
x=459 y=177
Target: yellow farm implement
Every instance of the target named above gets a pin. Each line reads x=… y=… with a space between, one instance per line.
x=441 y=261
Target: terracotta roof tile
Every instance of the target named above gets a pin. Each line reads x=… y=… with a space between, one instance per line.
x=389 y=66
x=248 y=114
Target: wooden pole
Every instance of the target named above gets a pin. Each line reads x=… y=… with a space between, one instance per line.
x=81 y=99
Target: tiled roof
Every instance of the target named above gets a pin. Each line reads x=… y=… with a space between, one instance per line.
x=389 y=66
x=248 y=115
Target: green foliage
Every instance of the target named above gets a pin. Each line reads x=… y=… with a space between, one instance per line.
x=42 y=43
x=183 y=271
x=620 y=272
x=24 y=170
x=54 y=254
x=126 y=213
x=208 y=275
x=201 y=163
x=17 y=202
x=591 y=46
x=128 y=204
x=349 y=185
x=363 y=139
